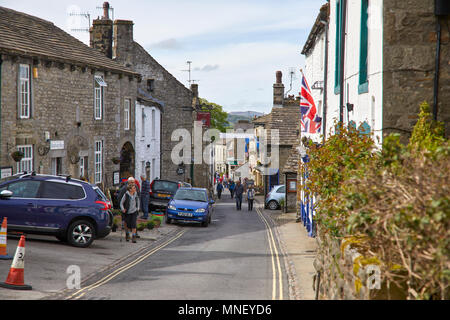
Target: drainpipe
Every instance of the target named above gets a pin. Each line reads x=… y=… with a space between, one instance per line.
x=342 y=67
x=1 y=61
x=325 y=83
x=436 y=74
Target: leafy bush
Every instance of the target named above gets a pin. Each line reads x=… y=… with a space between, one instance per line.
x=150 y=225
x=397 y=199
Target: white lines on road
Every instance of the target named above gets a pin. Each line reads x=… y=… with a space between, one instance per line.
x=80 y=293
x=276 y=267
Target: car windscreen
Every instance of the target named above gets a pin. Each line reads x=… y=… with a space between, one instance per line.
x=165 y=186
x=192 y=195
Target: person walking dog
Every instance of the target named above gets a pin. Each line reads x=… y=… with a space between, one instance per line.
x=130 y=208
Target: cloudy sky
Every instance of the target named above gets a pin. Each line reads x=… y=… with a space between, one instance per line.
x=235 y=46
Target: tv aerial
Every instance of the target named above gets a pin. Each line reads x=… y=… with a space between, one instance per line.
x=292 y=78
x=189 y=71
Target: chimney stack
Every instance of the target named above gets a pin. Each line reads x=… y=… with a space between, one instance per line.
x=101 y=33
x=123 y=42
x=194 y=89
x=278 y=91
x=105 y=11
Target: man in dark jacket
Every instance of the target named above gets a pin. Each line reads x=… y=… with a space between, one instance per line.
x=219 y=189
x=238 y=191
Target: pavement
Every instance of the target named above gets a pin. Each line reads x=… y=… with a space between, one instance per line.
x=299 y=252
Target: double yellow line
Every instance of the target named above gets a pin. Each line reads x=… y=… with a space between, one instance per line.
x=276 y=265
x=80 y=293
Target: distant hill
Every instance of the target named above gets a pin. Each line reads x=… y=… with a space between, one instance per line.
x=235 y=116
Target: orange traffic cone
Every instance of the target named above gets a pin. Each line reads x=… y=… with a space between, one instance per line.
x=16 y=272
x=3 y=231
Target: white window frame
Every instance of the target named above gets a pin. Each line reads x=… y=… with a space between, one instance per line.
x=26 y=164
x=81 y=166
x=143 y=116
x=24 y=92
x=153 y=123
x=99 y=85
x=126 y=114
x=98 y=161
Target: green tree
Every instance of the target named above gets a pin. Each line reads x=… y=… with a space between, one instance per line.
x=218 y=116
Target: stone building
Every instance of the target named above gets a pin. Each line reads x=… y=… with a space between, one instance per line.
x=62 y=103
x=284 y=119
x=115 y=40
x=383 y=62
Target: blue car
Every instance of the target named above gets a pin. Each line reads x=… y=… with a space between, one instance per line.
x=70 y=209
x=190 y=205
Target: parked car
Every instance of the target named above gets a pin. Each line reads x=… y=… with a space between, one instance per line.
x=108 y=202
x=70 y=209
x=160 y=193
x=274 y=197
x=184 y=184
x=191 y=205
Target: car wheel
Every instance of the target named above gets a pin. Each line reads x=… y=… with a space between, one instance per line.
x=206 y=223
x=168 y=220
x=272 y=205
x=81 y=234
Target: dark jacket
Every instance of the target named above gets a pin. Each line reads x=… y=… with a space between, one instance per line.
x=239 y=190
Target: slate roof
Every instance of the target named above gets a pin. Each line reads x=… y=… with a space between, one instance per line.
x=317 y=28
x=26 y=35
x=287 y=121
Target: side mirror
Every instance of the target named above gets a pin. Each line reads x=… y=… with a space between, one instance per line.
x=6 y=194
x=212 y=201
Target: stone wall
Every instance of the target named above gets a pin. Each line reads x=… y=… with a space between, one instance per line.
x=409 y=52
x=176 y=98
x=63 y=104
x=344 y=274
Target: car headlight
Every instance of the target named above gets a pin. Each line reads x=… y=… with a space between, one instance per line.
x=171 y=207
x=200 y=210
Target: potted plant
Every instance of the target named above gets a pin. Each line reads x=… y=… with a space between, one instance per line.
x=116 y=222
x=115 y=160
x=150 y=225
x=17 y=155
x=141 y=226
x=282 y=203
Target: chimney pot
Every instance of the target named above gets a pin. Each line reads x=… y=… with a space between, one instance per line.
x=105 y=10
x=279 y=75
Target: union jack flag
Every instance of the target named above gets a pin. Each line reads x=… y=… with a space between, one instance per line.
x=310 y=120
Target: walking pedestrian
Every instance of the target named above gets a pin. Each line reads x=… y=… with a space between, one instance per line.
x=238 y=195
x=121 y=193
x=250 y=197
x=219 y=189
x=145 y=196
x=130 y=208
x=231 y=188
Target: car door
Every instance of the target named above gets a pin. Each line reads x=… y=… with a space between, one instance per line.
x=22 y=205
x=59 y=201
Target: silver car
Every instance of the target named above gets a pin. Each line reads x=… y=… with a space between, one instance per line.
x=274 y=197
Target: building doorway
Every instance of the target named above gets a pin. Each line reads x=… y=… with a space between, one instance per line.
x=127 y=161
